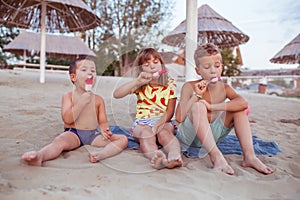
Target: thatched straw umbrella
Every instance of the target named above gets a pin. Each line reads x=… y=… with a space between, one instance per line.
x=58 y=46
x=50 y=15
x=289 y=54
x=212 y=28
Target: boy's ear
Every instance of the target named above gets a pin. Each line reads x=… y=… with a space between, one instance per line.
x=73 y=77
x=197 y=71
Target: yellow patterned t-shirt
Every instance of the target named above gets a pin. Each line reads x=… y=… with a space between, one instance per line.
x=152 y=101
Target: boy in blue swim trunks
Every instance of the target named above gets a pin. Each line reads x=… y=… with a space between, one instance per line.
x=206 y=118
x=85 y=121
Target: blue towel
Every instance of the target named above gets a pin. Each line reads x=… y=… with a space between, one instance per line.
x=230 y=145
x=132 y=144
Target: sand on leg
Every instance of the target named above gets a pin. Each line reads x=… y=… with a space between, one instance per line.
x=243 y=132
x=112 y=146
x=171 y=146
x=63 y=142
x=159 y=160
x=32 y=158
x=204 y=134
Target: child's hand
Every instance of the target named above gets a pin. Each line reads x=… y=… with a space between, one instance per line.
x=144 y=78
x=106 y=133
x=207 y=105
x=156 y=128
x=200 y=87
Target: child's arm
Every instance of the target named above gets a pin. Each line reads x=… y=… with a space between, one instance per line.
x=186 y=99
x=236 y=103
x=131 y=86
x=167 y=115
x=126 y=89
x=102 y=118
x=70 y=110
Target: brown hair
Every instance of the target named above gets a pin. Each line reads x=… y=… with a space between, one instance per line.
x=205 y=50
x=143 y=56
x=73 y=65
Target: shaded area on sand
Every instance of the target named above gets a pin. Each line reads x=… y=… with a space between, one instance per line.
x=291 y=121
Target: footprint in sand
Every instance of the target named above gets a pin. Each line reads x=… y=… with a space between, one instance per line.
x=295 y=170
x=291 y=121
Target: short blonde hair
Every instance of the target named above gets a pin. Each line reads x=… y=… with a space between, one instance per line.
x=205 y=50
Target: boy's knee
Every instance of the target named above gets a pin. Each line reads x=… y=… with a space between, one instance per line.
x=124 y=139
x=119 y=137
x=239 y=113
x=198 y=107
x=60 y=140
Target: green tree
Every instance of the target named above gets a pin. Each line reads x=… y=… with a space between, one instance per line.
x=230 y=62
x=127 y=26
x=6 y=36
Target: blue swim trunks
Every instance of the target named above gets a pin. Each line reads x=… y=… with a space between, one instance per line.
x=86 y=137
x=187 y=135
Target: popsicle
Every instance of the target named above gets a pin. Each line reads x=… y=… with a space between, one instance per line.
x=215 y=79
x=160 y=72
x=89 y=84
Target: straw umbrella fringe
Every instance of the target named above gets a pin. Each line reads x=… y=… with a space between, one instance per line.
x=289 y=54
x=62 y=15
x=58 y=46
x=212 y=28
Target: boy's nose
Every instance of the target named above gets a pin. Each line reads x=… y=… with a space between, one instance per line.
x=213 y=69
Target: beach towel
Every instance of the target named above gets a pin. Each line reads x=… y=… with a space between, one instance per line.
x=230 y=145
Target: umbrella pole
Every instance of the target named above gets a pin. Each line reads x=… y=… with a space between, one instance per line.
x=190 y=39
x=204 y=38
x=24 y=59
x=43 y=42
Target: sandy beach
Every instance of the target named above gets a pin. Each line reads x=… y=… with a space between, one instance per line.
x=30 y=118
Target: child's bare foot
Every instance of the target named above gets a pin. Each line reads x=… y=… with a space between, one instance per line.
x=159 y=160
x=220 y=163
x=32 y=158
x=94 y=157
x=258 y=165
x=174 y=160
